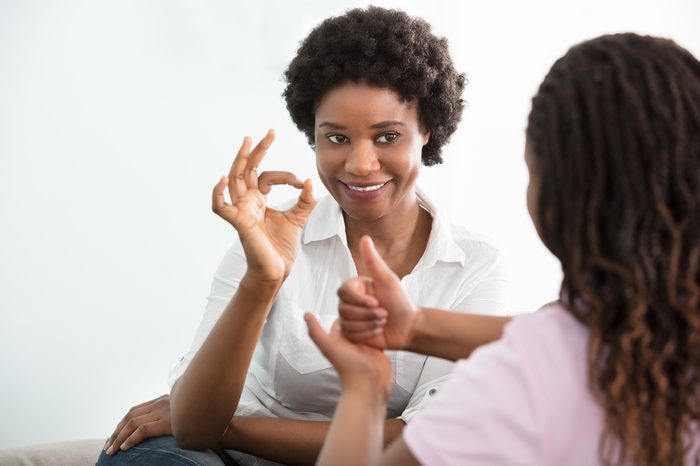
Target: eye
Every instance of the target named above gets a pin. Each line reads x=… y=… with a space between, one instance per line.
x=337 y=138
x=387 y=138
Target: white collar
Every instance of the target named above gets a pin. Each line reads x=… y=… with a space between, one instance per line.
x=327 y=221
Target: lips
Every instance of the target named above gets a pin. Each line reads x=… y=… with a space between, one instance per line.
x=365 y=190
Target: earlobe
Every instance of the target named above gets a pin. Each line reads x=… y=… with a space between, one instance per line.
x=426 y=137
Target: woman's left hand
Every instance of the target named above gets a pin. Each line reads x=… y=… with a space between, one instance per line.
x=360 y=367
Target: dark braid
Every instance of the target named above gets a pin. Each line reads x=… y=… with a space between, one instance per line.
x=615 y=129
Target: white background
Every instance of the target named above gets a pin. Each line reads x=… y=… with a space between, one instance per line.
x=116 y=118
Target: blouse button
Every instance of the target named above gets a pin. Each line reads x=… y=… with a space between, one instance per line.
x=432 y=392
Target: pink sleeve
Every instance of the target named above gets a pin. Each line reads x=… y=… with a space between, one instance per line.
x=490 y=412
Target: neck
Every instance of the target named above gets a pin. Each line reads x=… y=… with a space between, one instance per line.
x=400 y=238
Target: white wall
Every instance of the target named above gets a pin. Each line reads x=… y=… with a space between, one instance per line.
x=116 y=118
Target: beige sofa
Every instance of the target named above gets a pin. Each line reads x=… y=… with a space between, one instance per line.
x=76 y=453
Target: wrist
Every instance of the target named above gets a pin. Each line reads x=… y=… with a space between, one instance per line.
x=416 y=330
x=256 y=283
x=366 y=393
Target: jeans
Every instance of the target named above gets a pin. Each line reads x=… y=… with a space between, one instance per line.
x=165 y=450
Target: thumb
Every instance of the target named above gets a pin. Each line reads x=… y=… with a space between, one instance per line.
x=377 y=268
x=306 y=202
x=319 y=336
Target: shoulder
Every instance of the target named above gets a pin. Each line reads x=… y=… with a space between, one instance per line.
x=554 y=326
x=552 y=347
x=473 y=243
x=468 y=242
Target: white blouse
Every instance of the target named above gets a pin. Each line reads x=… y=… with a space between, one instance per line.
x=288 y=376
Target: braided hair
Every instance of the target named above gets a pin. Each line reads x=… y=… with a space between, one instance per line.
x=615 y=131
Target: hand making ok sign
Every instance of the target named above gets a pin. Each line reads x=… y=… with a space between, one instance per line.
x=270 y=237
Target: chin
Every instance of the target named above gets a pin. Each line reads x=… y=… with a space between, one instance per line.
x=367 y=214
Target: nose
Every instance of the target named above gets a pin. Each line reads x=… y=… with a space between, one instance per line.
x=362 y=160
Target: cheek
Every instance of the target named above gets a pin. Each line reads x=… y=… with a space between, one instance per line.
x=412 y=158
x=324 y=170
x=531 y=199
x=320 y=166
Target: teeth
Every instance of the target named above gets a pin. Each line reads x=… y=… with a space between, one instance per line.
x=365 y=188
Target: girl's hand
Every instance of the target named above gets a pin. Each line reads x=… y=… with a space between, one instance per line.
x=375 y=310
x=270 y=238
x=360 y=368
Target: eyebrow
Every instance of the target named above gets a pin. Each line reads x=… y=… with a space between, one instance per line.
x=381 y=124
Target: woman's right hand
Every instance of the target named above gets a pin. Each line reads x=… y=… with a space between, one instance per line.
x=144 y=421
x=270 y=238
x=375 y=310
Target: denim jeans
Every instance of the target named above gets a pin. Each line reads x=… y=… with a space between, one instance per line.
x=165 y=450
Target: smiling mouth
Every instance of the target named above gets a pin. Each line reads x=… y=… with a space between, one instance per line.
x=364 y=189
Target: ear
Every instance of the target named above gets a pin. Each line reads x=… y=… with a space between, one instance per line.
x=426 y=137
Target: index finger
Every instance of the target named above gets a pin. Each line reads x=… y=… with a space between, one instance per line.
x=269 y=179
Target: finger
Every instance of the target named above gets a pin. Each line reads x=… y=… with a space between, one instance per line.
x=352 y=312
x=256 y=156
x=136 y=411
x=236 y=176
x=146 y=431
x=306 y=202
x=357 y=326
x=354 y=291
x=377 y=268
x=132 y=425
x=267 y=180
x=363 y=335
x=319 y=336
x=218 y=201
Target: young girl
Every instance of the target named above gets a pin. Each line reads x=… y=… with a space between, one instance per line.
x=376 y=94
x=610 y=374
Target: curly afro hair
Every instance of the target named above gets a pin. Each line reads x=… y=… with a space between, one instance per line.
x=386 y=48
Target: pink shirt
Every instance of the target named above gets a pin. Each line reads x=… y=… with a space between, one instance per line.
x=523 y=400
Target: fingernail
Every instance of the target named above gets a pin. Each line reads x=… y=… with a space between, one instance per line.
x=123 y=447
x=110 y=450
x=379 y=322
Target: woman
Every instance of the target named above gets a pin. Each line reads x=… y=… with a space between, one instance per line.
x=376 y=94
x=610 y=374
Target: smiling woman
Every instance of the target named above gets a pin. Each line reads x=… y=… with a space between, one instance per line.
x=376 y=94
x=368 y=152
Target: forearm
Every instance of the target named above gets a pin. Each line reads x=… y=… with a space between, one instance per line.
x=453 y=335
x=205 y=398
x=289 y=441
x=355 y=437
